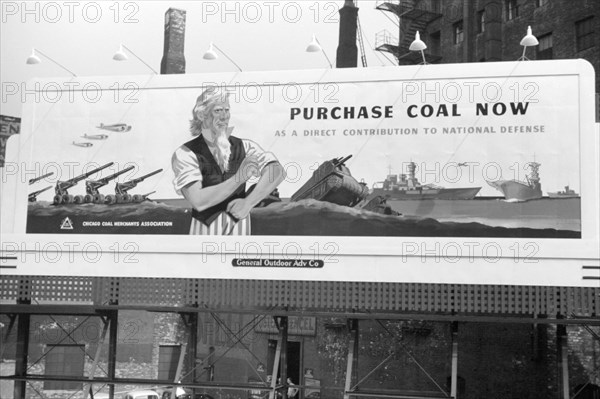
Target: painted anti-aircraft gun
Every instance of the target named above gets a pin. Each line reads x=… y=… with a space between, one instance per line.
x=121 y=191
x=332 y=182
x=37 y=179
x=62 y=195
x=92 y=186
x=32 y=197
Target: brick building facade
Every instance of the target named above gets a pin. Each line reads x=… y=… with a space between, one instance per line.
x=458 y=31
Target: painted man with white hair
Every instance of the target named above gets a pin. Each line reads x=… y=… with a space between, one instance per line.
x=212 y=169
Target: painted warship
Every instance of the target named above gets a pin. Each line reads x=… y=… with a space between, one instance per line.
x=568 y=193
x=333 y=182
x=517 y=190
x=93 y=195
x=403 y=187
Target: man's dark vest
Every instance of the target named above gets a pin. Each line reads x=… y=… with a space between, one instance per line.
x=212 y=174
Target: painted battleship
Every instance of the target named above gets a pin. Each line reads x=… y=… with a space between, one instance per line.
x=567 y=193
x=408 y=187
x=517 y=190
x=333 y=182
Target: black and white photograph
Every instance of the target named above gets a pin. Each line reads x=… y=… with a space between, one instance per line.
x=300 y=199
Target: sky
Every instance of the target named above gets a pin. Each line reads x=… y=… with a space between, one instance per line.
x=257 y=35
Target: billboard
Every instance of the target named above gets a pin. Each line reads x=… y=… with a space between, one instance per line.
x=9 y=125
x=314 y=172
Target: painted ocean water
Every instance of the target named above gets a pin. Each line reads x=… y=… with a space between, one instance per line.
x=544 y=213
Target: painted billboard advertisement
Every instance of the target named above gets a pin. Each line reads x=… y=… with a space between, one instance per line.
x=9 y=125
x=502 y=151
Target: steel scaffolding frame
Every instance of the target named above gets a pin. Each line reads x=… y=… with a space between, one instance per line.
x=105 y=297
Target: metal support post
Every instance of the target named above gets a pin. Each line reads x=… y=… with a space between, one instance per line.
x=193 y=347
x=211 y=359
x=454 y=376
x=179 y=369
x=275 y=368
x=352 y=357
x=535 y=347
x=276 y=361
x=280 y=360
x=113 y=317
x=89 y=387
x=22 y=350
x=283 y=324
x=563 y=359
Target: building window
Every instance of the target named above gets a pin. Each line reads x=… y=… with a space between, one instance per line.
x=435 y=43
x=459 y=33
x=168 y=359
x=512 y=9
x=64 y=360
x=481 y=21
x=585 y=33
x=541 y=3
x=545 y=47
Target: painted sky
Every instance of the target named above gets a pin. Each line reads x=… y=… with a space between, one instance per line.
x=424 y=127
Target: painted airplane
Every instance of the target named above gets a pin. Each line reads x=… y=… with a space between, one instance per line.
x=95 y=136
x=116 y=127
x=82 y=144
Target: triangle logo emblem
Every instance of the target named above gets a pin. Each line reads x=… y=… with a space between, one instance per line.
x=66 y=224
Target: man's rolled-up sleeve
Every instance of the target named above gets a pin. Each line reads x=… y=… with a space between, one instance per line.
x=185 y=167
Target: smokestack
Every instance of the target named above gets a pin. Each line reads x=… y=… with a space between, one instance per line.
x=173 y=60
x=347 y=51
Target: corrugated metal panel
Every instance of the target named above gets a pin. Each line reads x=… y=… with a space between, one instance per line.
x=313 y=295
